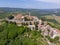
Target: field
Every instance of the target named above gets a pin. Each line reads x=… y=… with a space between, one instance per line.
x=53 y=20
x=52 y=17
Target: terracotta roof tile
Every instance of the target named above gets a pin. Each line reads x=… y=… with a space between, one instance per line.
x=58 y=31
x=18 y=16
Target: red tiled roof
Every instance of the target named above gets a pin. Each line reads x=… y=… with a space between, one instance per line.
x=40 y=25
x=58 y=31
x=29 y=17
x=18 y=16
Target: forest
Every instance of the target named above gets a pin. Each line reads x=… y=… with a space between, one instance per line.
x=11 y=34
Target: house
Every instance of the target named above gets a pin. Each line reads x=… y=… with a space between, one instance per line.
x=32 y=27
x=19 y=17
x=55 y=33
x=40 y=21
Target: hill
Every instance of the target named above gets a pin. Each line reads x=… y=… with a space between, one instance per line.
x=11 y=34
x=5 y=11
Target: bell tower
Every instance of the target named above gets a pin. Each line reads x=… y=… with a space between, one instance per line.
x=29 y=14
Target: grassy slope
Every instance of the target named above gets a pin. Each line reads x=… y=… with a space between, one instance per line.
x=54 y=22
x=14 y=35
x=52 y=18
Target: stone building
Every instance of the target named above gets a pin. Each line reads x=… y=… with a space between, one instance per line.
x=28 y=20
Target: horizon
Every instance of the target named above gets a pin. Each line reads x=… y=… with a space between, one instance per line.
x=31 y=4
x=28 y=8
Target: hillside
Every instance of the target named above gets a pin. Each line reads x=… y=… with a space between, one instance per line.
x=10 y=34
x=5 y=11
x=53 y=20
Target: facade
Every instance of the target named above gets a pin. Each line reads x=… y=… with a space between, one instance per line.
x=56 y=33
x=32 y=27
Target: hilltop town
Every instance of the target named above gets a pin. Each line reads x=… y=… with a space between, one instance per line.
x=31 y=27
x=29 y=22
x=34 y=23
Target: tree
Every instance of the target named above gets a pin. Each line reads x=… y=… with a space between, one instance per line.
x=11 y=17
x=1 y=28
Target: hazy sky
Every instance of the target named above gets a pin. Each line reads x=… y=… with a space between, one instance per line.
x=36 y=4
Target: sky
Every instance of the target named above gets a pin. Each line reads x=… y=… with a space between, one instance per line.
x=34 y=4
